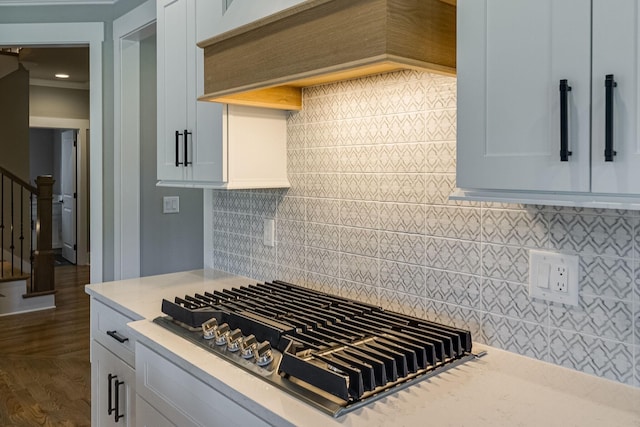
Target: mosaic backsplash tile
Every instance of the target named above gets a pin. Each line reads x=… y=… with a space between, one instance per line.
x=371 y=164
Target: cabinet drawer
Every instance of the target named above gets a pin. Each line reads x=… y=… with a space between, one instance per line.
x=182 y=398
x=109 y=327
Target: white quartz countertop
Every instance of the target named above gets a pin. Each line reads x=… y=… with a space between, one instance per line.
x=500 y=389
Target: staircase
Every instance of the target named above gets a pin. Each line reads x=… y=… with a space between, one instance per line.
x=26 y=267
x=13 y=298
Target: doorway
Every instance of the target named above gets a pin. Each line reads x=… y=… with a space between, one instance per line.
x=62 y=153
x=91 y=34
x=46 y=158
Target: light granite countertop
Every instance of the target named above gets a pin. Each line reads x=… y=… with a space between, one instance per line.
x=499 y=389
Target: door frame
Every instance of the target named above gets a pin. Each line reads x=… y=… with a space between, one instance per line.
x=77 y=33
x=128 y=31
x=82 y=126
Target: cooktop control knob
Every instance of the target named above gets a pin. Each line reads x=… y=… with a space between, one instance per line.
x=248 y=346
x=209 y=328
x=263 y=354
x=222 y=332
x=234 y=340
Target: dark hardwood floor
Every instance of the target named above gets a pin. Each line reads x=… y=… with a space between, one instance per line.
x=45 y=375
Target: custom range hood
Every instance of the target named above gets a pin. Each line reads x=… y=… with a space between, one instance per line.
x=267 y=63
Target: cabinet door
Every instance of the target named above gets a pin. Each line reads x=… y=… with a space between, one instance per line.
x=173 y=32
x=616 y=51
x=230 y=14
x=208 y=161
x=110 y=376
x=511 y=58
x=183 y=399
x=256 y=147
x=148 y=416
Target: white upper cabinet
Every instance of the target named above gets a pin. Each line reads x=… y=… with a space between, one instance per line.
x=199 y=144
x=226 y=15
x=616 y=52
x=188 y=131
x=531 y=96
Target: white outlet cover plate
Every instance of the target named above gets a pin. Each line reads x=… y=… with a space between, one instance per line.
x=269 y=232
x=541 y=263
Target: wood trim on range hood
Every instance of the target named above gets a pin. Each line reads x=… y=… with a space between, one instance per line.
x=267 y=62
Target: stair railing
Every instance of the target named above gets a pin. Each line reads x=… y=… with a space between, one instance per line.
x=14 y=190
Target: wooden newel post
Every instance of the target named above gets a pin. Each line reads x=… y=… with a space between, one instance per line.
x=43 y=256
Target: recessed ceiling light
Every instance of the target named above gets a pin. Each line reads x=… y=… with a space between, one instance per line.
x=62 y=76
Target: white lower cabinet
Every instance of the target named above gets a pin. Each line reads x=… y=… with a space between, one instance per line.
x=181 y=398
x=112 y=389
x=148 y=416
x=112 y=367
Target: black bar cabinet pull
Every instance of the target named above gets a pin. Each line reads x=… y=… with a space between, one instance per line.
x=609 y=152
x=117 y=415
x=178 y=135
x=115 y=335
x=564 y=125
x=110 y=401
x=186 y=138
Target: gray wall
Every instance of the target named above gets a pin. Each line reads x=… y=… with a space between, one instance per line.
x=57 y=160
x=89 y=13
x=58 y=102
x=43 y=155
x=168 y=242
x=14 y=122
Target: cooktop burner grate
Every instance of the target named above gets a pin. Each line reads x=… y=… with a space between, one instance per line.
x=335 y=353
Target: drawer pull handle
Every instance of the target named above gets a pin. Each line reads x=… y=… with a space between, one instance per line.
x=117 y=336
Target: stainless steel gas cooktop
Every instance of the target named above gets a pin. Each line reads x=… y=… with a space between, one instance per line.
x=334 y=353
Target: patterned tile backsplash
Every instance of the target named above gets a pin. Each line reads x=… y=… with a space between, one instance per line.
x=371 y=163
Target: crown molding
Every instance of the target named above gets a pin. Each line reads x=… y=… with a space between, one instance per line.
x=60 y=84
x=55 y=2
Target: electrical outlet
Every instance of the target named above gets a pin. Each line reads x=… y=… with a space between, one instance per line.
x=559 y=279
x=553 y=276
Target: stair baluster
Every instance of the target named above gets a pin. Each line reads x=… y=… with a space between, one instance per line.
x=2 y=228
x=12 y=247
x=41 y=254
x=21 y=238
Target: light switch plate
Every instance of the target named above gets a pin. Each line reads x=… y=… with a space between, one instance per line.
x=553 y=276
x=171 y=204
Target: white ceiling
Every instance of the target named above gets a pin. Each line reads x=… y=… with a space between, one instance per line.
x=52 y=2
x=44 y=62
